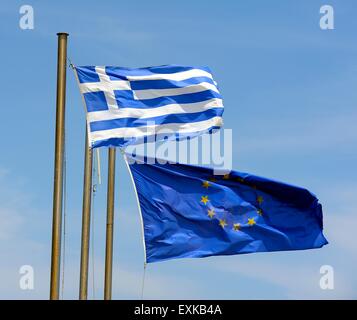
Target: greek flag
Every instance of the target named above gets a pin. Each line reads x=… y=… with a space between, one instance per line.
x=126 y=106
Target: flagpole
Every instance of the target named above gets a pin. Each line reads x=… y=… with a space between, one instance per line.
x=110 y=225
x=86 y=213
x=58 y=166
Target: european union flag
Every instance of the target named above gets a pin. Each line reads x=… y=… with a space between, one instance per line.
x=189 y=212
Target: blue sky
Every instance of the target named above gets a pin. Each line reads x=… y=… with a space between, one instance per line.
x=290 y=97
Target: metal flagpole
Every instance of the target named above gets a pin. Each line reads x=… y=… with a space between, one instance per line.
x=58 y=170
x=110 y=225
x=86 y=212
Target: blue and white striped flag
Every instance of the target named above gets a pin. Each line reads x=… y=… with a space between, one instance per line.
x=126 y=106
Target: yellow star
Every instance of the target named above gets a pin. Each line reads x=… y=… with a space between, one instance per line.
x=213 y=179
x=206 y=184
x=204 y=199
x=211 y=213
x=260 y=199
x=260 y=212
x=226 y=176
x=251 y=222
x=222 y=223
x=236 y=226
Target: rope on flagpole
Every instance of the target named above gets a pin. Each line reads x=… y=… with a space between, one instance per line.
x=143 y=282
x=94 y=189
x=70 y=63
x=99 y=171
x=137 y=201
x=64 y=204
x=141 y=219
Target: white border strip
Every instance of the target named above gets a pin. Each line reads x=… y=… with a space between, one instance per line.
x=151 y=128
x=140 y=213
x=85 y=107
x=120 y=113
x=178 y=76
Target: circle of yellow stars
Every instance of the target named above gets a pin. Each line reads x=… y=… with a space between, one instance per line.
x=223 y=222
